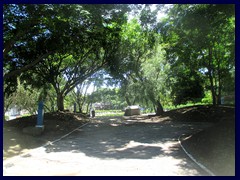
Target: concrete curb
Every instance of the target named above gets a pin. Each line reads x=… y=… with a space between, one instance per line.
x=194 y=160
x=51 y=142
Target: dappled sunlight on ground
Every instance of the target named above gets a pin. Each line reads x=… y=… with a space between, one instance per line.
x=15 y=143
x=112 y=147
x=165 y=146
x=113 y=124
x=79 y=163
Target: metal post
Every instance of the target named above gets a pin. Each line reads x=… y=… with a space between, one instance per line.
x=40 y=114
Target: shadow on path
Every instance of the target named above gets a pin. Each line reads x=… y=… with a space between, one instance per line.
x=129 y=141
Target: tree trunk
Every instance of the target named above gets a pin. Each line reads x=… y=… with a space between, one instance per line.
x=219 y=82
x=52 y=106
x=212 y=89
x=79 y=107
x=60 y=102
x=87 y=111
x=210 y=75
x=153 y=108
x=219 y=92
x=134 y=101
x=128 y=101
x=159 y=110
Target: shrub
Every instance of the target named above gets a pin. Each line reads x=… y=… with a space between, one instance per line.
x=6 y=118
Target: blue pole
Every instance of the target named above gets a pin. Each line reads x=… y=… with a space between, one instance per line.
x=75 y=108
x=40 y=114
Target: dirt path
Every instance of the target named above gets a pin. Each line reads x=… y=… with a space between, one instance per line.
x=111 y=146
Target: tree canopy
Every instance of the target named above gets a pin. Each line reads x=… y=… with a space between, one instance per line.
x=60 y=48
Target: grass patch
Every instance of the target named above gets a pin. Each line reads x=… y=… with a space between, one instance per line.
x=172 y=107
x=110 y=113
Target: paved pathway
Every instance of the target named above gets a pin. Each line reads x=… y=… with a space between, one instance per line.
x=112 y=147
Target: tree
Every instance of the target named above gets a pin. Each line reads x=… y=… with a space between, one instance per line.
x=136 y=45
x=109 y=97
x=32 y=33
x=80 y=94
x=28 y=29
x=21 y=99
x=139 y=41
x=187 y=87
x=85 y=45
x=206 y=47
x=155 y=72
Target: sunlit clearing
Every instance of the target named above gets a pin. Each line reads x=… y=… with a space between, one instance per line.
x=115 y=125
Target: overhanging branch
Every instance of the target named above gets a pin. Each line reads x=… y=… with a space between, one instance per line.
x=25 y=68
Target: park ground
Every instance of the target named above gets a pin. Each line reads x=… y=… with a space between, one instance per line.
x=207 y=133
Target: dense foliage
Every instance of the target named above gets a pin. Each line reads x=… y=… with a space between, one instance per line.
x=57 y=52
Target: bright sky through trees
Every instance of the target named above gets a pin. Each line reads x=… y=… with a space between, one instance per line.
x=161 y=14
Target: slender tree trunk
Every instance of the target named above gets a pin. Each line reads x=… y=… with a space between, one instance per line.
x=154 y=108
x=134 y=101
x=219 y=102
x=210 y=75
x=219 y=82
x=60 y=102
x=52 y=105
x=87 y=111
x=219 y=91
x=128 y=101
x=212 y=89
x=79 y=107
x=156 y=104
x=84 y=99
x=159 y=110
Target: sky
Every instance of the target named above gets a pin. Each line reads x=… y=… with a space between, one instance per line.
x=160 y=14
